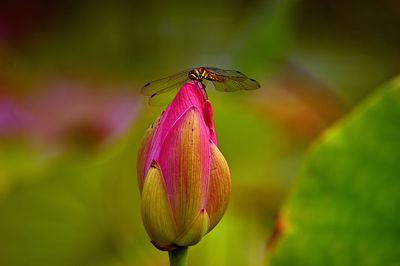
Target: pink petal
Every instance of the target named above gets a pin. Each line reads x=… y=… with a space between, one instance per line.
x=144 y=151
x=190 y=95
x=208 y=117
x=184 y=162
x=219 y=186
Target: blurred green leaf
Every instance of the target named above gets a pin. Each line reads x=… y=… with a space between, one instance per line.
x=345 y=207
x=76 y=209
x=16 y=159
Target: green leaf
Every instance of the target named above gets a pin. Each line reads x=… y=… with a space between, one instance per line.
x=345 y=207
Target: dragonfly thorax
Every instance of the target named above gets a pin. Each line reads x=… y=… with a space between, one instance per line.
x=198 y=74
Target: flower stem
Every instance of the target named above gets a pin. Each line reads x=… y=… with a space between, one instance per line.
x=178 y=257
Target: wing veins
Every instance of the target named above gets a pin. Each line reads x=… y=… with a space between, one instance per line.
x=160 y=84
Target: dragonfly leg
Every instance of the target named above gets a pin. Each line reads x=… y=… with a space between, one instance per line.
x=204 y=89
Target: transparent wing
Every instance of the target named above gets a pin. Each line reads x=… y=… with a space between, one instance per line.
x=163 y=84
x=164 y=97
x=233 y=80
x=226 y=73
x=234 y=85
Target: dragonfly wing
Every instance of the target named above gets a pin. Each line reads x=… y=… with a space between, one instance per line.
x=236 y=84
x=233 y=80
x=162 y=84
x=226 y=73
x=163 y=98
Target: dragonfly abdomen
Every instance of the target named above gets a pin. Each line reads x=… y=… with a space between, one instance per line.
x=214 y=77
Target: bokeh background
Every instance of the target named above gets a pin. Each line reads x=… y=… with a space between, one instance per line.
x=72 y=117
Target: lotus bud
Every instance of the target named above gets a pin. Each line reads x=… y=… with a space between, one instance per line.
x=184 y=179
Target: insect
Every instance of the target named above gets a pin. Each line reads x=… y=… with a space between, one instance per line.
x=223 y=80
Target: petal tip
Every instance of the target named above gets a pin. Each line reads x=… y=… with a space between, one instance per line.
x=154 y=164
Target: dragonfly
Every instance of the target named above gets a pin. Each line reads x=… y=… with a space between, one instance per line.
x=163 y=89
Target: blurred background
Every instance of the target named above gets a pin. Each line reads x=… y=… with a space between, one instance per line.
x=72 y=117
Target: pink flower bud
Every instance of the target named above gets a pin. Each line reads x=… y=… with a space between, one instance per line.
x=184 y=179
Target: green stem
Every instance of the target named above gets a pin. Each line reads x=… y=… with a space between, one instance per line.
x=178 y=257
